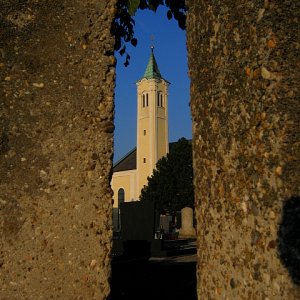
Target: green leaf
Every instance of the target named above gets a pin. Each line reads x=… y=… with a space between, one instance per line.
x=134 y=42
x=169 y=15
x=122 y=51
x=132 y=6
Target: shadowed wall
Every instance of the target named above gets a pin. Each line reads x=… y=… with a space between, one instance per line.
x=244 y=69
x=56 y=138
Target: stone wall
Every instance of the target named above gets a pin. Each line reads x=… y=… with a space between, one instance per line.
x=56 y=138
x=56 y=128
x=244 y=70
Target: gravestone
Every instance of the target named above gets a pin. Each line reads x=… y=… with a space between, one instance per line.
x=187 y=229
x=165 y=223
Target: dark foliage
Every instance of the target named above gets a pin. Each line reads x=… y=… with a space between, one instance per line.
x=171 y=185
x=123 y=25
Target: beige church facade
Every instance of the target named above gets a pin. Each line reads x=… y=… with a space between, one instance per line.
x=131 y=172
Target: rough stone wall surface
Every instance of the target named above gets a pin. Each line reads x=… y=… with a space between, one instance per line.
x=57 y=71
x=244 y=69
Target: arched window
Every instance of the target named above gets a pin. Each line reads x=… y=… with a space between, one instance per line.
x=121 y=199
x=144 y=101
x=121 y=196
x=147 y=99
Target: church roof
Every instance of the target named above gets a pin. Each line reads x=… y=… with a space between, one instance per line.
x=128 y=162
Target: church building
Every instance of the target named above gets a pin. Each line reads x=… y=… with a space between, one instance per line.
x=130 y=173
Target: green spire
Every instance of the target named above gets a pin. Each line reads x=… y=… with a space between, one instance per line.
x=152 y=70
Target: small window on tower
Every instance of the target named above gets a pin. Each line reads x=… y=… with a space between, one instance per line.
x=147 y=99
x=144 y=132
x=144 y=160
x=159 y=99
x=144 y=101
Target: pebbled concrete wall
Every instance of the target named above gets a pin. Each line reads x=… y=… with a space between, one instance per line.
x=56 y=115
x=56 y=141
x=244 y=68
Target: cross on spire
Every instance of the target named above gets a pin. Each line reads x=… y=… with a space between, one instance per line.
x=152 y=42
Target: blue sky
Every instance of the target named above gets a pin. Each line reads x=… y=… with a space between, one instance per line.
x=171 y=56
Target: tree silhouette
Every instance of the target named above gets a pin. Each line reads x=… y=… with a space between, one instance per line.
x=171 y=185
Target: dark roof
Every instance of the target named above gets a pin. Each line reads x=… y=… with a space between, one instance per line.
x=171 y=146
x=127 y=162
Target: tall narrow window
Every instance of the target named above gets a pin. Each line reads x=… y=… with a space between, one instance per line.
x=159 y=99
x=121 y=199
x=144 y=160
x=147 y=99
x=158 y=94
x=144 y=132
x=143 y=100
x=121 y=196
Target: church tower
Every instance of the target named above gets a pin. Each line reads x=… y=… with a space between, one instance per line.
x=152 y=121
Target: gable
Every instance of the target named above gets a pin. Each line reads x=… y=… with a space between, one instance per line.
x=127 y=162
